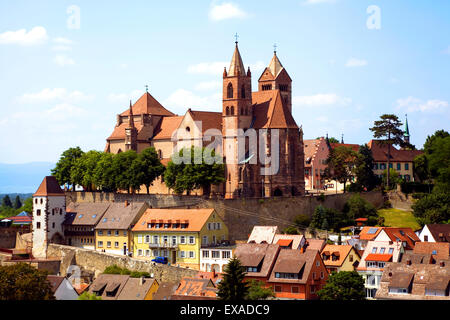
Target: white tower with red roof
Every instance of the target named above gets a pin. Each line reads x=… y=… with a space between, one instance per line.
x=49 y=212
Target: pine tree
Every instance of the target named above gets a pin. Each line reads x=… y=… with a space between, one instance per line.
x=6 y=202
x=233 y=287
x=17 y=203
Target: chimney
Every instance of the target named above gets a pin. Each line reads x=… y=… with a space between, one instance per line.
x=126 y=203
x=141 y=281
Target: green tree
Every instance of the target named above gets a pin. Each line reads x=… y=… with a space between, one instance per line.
x=193 y=169
x=302 y=220
x=24 y=282
x=331 y=140
x=259 y=291
x=394 y=177
x=364 y=168
x=65 y=164
x=104 y=177
x=82 y=173
x=89 y=296
x=125 y=178
x=17 y=202
x=421 y=169
x=290 y=230
x=432 y=208
x=357 y=207
x=317 y=217
x=233 y=287
x=340 y=164
x=344 y=285
x=6 y=201
x=27 y=205
x=147 y=167
x=388 y=129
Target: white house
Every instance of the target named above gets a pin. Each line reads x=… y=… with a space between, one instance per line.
x=435 y=233
x=62 y=288
x=49 y=212
x=215 y=257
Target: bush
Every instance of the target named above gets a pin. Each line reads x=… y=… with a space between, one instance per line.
x=386 y=205
x=290 y=230
x=419 y=195
x=357 y=207
x=355 y=187
x=302 y=220
x=432 y=208
x=321 y=197
x=416 y=187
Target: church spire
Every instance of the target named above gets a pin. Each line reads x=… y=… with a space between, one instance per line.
x=131 y=119
x=406 y=132
x=236 y=65
x=275 y=65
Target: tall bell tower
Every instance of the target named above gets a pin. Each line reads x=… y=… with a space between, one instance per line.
x=237 y=114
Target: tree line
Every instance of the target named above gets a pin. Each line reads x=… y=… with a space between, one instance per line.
x=129 y=170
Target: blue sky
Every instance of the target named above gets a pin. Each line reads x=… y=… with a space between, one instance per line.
x=62 y=83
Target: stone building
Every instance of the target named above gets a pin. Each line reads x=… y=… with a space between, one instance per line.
x=267 y=111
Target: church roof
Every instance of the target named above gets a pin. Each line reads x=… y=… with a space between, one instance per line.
x=49 y=187
x=146 y=104
x=166 y=127
x=119 y=131
x=209 y=120
x=275 y=65
x=236 y=64
x=271 y=112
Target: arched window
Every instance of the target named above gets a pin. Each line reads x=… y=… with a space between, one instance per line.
x=243 y=92
x=232 y=111
x=240 y=174
x=120 y=150
x=230 y=91
x=160 y=154
x=227 y=111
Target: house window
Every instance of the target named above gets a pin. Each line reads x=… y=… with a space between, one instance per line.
x=226 y=254
x=317 y=264
x=165 y=239
x=38 y=212
x=182 y=254
x=406 y=166
x=147 y=253
x=155 y=239
x=116 y=233
x=374 y=250
x=155 y=253
x=266 y=87
x=116 y=244
x=147 y=239
x=391 y=250
x=100 y=232
x=191 y=240
x=139 y=252
x=253 y=269
x=191 y=254
x=108 y=244
x=100 y=244
x=205 y=254
x=218 y=226
x=174 y=240
x=166 y=226
x=109 y=232
x=38 y=225
x=399 y=166
x=295 y=289
x=215 y=254
x=351 y=258
x=375 y=166
x=390 y=165
x=425 y=238
x=182 y=239
x=139 y=238
x=382 y=250
x=41 y=200
x=277 y=288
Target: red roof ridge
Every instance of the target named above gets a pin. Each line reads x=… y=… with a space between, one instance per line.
x=49 y=187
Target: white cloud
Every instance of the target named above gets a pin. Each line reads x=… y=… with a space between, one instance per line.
x=182 y=99
x=63 y=60
x=354 y=62
x=51 y=95
x=321 y=99
x=412 y=104
x=124 y=98
x=208 y=85
x=226 y=10
x=37 y=35
x=61 y=40
x=212 y=68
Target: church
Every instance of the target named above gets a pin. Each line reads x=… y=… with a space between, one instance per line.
x=267 y=111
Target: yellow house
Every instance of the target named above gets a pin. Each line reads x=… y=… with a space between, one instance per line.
x=340 y=258
x=113 y=231
x=177 y=234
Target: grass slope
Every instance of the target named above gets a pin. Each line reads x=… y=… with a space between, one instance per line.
x=399 y=218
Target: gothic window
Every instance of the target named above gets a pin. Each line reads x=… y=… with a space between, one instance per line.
x=227 y=111
x=243 y=92
x=232 y=111
x=283 y=87
x=230 y=91
x=266 y=87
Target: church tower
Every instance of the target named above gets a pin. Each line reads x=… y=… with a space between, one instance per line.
x=236 y=114
x=131 y=132
x=406 y=132
x=275 y=77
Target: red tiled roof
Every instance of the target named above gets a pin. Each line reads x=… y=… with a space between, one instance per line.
x=209 y=120
x=354 y=147
x=167 y=127
x=379 y=257
x=380 y=152
x=270 y=111
x=49 y=187
x=146 y=104
x=404 y=234
x=365 y=235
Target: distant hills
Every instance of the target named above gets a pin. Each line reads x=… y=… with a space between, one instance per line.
x=24 y=177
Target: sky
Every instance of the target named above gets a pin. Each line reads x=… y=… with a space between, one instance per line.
x=67 y=68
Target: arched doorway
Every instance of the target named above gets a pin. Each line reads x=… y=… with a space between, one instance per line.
x=57 y=239
x=278 y=193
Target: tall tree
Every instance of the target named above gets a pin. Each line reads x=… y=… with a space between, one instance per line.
x=344 y=285
x=259 y=291
x=122 y=167
x=388 y=129
x=340 y=164
x=233 y=287
x=17 y=202
x=364 y=168
x=65 y=164
x=6 y=201
x=194 y=168
x=23 y=282
x=104 y=176
x=147 y=167
x=82 y=173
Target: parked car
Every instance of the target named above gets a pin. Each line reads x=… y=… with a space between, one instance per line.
x=162 y=260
